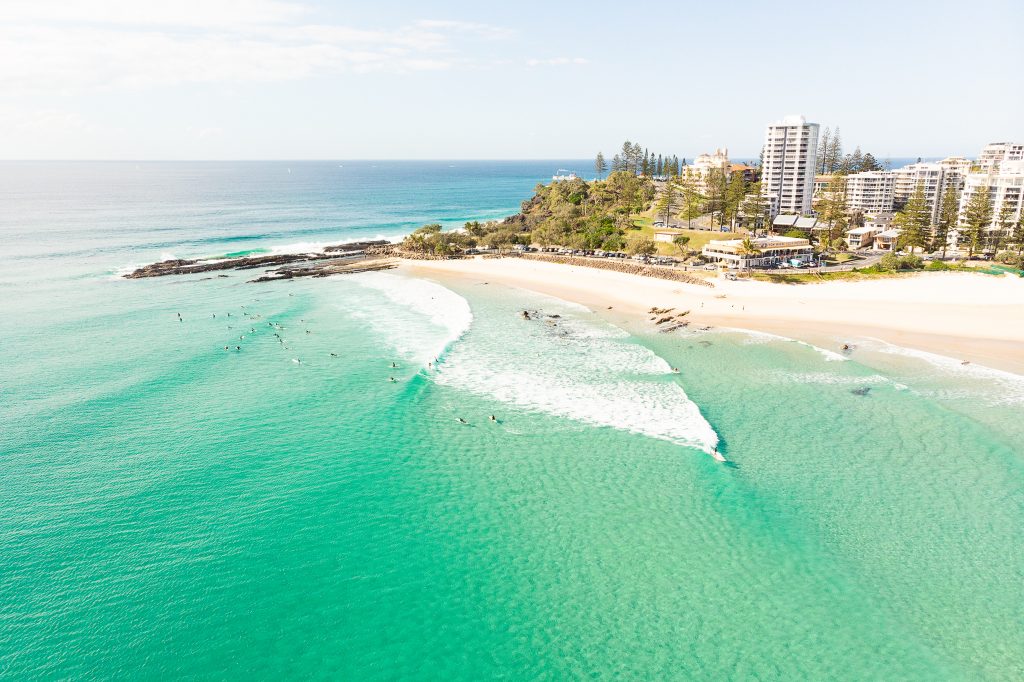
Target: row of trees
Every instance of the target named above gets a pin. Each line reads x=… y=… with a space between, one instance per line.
x=832 y=161
x=978 y=233
x=639 y=161
x=571 y=213
x=727 y=197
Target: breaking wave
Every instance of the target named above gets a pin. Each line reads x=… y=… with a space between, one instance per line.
x=558 y=362
x=1009 y=386
x=765 y=337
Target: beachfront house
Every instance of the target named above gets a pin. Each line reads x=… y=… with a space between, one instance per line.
x=861 y=237
x=886 y=241
x=770 y=251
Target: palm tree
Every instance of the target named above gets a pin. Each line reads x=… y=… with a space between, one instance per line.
x=748 y=250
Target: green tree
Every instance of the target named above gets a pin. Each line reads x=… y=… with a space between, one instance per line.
x=823 y=147
x=834 y=152
x=870 y=163
x=667 y=201
x=599 y=165
x=856 y=161
x=715 y=185
x=692 y=197
x=914 y=221
x=735 y=194
x=949 y=212
x=681 y=241
x=832 y=207
x=748 y=249
x=1018 y=233
x=754 y=208
x=977 y=218
x=1005 y=224
x=643 y=247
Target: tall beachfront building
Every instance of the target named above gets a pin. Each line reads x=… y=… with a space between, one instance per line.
x=787 y=176
x=1005 y=188
x=870 y=192
x=994 y=154
x=935 y=178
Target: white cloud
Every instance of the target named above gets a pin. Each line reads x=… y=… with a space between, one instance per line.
x=68 y=47
x=48 y=123
x=195 y=13
x=557 y=61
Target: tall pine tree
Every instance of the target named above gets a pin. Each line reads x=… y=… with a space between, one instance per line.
x=1018 y=233
x=915 y=220
x=667 y=201
x=823 y=147
x=949 y=211
x=977 y=218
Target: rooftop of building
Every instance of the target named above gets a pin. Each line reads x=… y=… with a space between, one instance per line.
x=760 y=243
x=863 y=230
x=797 y=221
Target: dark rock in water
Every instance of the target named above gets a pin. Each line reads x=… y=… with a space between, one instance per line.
x=178 y=266
x=556 y=317
x=862 y=391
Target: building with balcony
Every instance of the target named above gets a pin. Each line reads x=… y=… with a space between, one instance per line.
x=933 y=177
x=771 y=251
x=787 y=174
x=886 y=241
x=704 y=164
x=957 y=164
x=861 y=237
x=1005 y=189
x=994 y=154
x=870 y=191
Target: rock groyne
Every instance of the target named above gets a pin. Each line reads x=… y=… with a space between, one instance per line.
x=631 y=268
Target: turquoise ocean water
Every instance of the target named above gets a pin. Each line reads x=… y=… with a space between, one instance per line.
x=172 y=509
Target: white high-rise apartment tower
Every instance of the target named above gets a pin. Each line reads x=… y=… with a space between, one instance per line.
x=870 y=192
x=1005 y=188
x=994 y=154
x=790 y=155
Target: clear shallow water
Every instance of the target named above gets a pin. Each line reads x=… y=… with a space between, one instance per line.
x=173 y=509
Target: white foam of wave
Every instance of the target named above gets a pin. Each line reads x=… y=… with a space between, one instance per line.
x=584 y=370
x=425 y=321
x=765 y=337
x=1010 y=386
x=297 y=247
x=834 y=379
x=581 y=369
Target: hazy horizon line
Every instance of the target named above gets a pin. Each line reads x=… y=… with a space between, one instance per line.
x=398 y=159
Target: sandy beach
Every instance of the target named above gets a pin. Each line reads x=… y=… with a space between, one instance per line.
x=971 y=317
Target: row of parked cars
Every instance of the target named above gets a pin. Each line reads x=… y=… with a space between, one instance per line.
x=598 y=253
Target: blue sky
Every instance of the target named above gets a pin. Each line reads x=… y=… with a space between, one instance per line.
x=266 y=79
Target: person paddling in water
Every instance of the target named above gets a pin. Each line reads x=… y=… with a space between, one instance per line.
x=493 y=418
x=462 y=421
